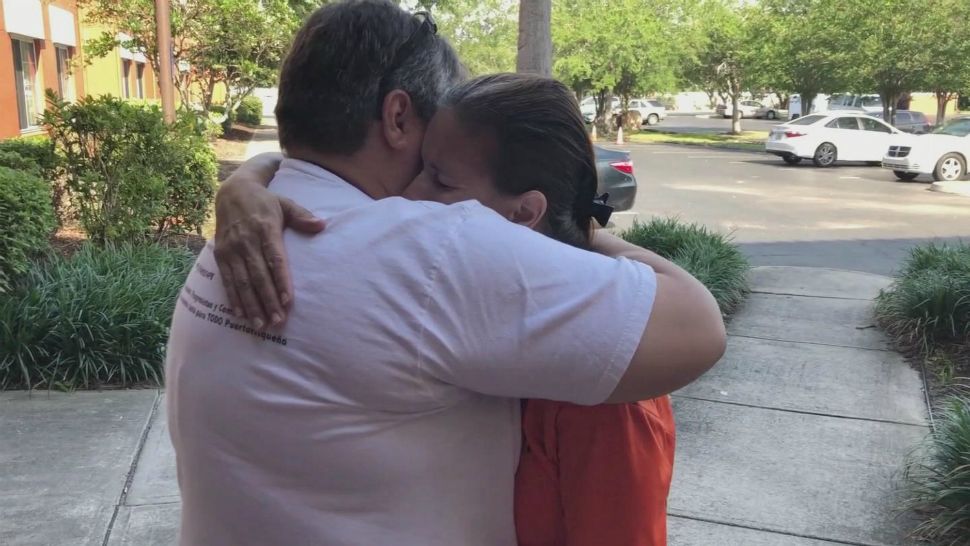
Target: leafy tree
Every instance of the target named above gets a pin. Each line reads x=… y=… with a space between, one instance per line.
x=888 y=42
x=482 y=32
x=623 y=48
x=797 y=55
x=727 y=50
x=948 y=71
x=238 y=43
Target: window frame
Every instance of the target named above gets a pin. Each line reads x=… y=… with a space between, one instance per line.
x=126 y=78
x=28 y=108
x=140 y=80
x=882 y=127
x=63 y=55
x=837 y=123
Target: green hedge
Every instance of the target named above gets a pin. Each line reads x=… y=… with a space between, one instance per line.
x=710 y=257
x=938 y=476
x=99 y=317
x=250 y=111
x=927 y=308
x=27 y=219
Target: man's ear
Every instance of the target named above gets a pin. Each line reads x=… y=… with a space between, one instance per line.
x=398 y=119
x=529 y=209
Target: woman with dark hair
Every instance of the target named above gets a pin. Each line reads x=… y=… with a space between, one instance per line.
x=587 y=475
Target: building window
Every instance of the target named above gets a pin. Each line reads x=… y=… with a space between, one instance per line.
x=140 y=80
x=25 y=78
x=65 y=83
x=126 y=78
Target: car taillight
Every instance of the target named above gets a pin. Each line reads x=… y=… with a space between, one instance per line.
x=793 y=134
x=625 y=167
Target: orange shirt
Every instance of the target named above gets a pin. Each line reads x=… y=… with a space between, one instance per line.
x=594 y=475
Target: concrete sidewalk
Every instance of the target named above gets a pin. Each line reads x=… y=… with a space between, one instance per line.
x=794 y=439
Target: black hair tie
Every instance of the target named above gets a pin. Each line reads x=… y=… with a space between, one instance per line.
x=599 y=210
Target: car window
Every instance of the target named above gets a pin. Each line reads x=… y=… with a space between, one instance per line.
x=903 y=118
x=807 y=120
x=655 y=104
x=959 y=127
x=843 y=123
x=918 y=117
x=871 y=101
x=870 y=124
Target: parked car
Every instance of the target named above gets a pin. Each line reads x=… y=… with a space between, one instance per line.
x=942 y=153
x=614 y=168
x=651 y=111
x=766 y=112
x=909 y=121
x=827 y=138
x=588 y=107
x=748 y=109
x=857 y=103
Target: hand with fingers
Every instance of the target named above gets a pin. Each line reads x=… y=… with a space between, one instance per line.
x=249 y=241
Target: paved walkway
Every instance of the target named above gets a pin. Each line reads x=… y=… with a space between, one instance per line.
x=794 y=439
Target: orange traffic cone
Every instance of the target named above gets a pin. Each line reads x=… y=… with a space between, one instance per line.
x=619 y=135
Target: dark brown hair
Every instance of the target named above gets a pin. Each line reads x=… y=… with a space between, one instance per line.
x=346 y=57
x=541 y=144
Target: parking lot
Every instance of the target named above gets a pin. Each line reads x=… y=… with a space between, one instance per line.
x=851 y=217
x=710 y=123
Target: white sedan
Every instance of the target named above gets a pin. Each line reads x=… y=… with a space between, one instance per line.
x=942 y=153
x=830 y=137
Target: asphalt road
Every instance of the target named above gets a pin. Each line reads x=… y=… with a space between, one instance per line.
x=690 y=123
x=848 y=217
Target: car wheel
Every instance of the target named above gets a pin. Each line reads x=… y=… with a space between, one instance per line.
x=905 y=176
x=771 y=114
x=825 y=155
x=791 y=159
x=949 y=168
x=653 y=119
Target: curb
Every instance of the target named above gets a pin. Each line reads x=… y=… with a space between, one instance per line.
x=953 y=188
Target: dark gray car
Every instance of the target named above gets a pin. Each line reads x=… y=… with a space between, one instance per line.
x=909 y=121
x=615 y=172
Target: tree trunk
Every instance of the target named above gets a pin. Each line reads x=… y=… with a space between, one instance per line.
x=942 y=99
x=808 y=101
x=736 y=111
x=710 y=98
x=535 y=37
x=602 y=104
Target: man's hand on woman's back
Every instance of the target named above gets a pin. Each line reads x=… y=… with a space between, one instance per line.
x=249 y=241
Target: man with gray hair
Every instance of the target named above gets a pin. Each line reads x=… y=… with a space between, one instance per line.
x=385 y=410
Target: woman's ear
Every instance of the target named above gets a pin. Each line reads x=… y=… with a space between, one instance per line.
x=399 y=119
x=529 y=209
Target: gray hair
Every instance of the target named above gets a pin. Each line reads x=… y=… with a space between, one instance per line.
x=341 y=65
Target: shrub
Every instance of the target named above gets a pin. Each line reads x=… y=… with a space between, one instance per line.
x=710 y=257
x=927 y=307
x=250 y=111
x=130 y=175
x=99 y=317
x=938 y=476
x=39 y=155
x=27 y=219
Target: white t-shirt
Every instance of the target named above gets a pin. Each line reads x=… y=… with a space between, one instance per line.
x=384 y=412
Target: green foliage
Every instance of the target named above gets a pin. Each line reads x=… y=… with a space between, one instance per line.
x=236 y=44
x=482 y=32
x=928 y=305
x=938 y=476
x=37 y=154
x=710 y=257
x=250 y=111
x=624 y=48
x=100 y=317
x=27 y=219
x=130 y=175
